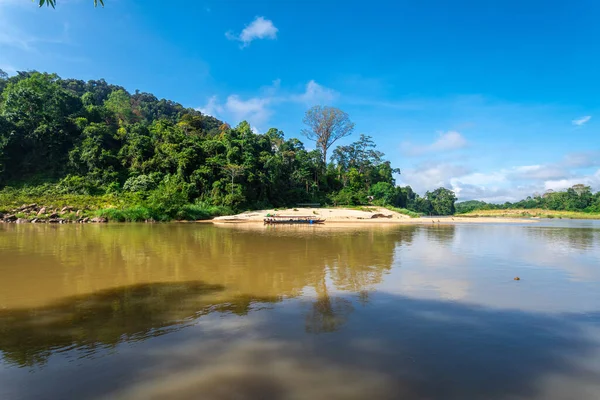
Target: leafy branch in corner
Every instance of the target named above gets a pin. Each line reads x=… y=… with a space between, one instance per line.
x=52 y=3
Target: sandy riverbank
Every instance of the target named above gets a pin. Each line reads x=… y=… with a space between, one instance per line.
x=371 y=215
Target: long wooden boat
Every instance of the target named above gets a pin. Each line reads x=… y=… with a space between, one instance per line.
x=292 y=219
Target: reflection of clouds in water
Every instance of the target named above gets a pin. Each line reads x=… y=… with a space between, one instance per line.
x=445 y=350
x=254 y=369
x=219 y=325
x=433 y=285
x=477 y=264
x=574 y=250
x=427 y=268
x=571 y=250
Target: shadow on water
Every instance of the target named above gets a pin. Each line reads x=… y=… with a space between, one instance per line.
x=90 y=323
x=391 y=347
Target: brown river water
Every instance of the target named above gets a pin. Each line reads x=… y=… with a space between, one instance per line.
x=196 y=311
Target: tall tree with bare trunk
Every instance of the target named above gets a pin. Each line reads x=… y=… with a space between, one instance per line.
x=325 y=126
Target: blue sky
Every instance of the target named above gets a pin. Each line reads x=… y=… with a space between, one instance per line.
x=495 y=99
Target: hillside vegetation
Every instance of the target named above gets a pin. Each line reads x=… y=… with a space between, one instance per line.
x=96 y=147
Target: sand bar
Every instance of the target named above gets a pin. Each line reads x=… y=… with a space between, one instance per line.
x=370 y=215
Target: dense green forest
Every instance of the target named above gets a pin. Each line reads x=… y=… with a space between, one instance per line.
x=576 y=198
x=66 y=140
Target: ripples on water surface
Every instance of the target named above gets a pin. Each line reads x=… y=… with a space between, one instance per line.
x=243 y=312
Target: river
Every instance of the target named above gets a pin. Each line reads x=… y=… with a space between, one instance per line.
x=178 y=311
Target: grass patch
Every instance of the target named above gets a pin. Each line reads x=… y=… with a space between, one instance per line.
x=117 y=207
x=188 y=212
x=195 y=212
x=133 y=214
x=354 y=207
x=11 y=198
x=405 y=211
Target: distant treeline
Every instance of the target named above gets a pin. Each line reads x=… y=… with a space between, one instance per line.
x=576 y=198
x=63 y=137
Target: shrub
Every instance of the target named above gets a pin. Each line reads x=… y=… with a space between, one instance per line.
x=73 y=184
x=170 y=195
x=349 y=197
x=141 y=183
x=133 y=214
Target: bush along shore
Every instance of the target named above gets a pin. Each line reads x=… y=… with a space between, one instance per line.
x=41 y=214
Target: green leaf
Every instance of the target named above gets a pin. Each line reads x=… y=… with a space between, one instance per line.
x=47 y=2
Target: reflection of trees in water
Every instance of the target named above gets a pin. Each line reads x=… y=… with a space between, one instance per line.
x=106 y=318
x=574 y=238
x=364 y=297
x=440 y=233
x=357 y=267
x=97 y=285
x=327 y=314
x=71 y=260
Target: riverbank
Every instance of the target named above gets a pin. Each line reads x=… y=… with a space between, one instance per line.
x=40 y=205
x=529 y=213
x=82 y=213
x=363 y=215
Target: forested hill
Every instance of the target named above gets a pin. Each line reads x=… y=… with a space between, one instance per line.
x=70 y=137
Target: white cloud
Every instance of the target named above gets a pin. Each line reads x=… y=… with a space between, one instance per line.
x=581 y=121
x=561 y=184
x=258 y=109
x=430 y=176
x=446 y=141
x=253 y=110
x=260 y=28
x=480 y=178
x=212 y=107
x=582 y=159
x=539 y=172
x=315 y=94
x=449 y=141
x=504 y=184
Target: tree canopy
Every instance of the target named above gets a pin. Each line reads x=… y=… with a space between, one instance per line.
x=579 y=197
x=326 y=125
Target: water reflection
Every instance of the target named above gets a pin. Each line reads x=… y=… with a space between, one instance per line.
x=42 y=264
x=398 y=348
x=65 y=288
x=328 y=315
x=572 y=238
x=477 y=264
x=440 y=234
x=90 y=322
x=427 y=312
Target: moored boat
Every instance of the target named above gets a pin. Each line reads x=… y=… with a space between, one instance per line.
x=292 y=219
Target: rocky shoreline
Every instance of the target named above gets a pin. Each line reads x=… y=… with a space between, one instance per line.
x=34 y=214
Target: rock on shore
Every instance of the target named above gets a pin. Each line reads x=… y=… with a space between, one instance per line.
x=42 y=214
